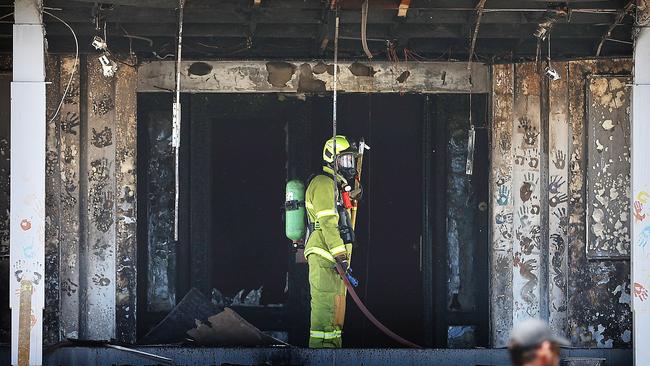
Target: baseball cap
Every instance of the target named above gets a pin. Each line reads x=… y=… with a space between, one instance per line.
x=533 y=332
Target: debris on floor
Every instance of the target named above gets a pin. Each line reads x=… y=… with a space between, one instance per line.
x=182 y=317
x=229 y=329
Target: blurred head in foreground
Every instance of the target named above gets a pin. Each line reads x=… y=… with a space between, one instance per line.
x=533 y=344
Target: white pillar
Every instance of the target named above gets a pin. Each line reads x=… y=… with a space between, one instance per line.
x=640 y=214
x=27 y=204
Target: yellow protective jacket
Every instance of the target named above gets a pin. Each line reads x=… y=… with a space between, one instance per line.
x=326 y=240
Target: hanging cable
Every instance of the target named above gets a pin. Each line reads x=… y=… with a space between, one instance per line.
x=364 y=26
x=176 y=117
x=74 y=68
x=56 y=113
x=469 y=164
x=6 y=15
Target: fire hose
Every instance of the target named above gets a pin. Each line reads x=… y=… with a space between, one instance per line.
x=369 y=315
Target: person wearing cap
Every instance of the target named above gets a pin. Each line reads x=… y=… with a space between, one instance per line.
x=533 y=344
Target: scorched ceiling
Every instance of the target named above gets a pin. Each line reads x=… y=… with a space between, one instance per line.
x=431 y=29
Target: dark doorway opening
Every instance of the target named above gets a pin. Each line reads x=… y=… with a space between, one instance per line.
x=238 y=150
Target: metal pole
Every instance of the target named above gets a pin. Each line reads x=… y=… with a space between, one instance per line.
x=334 y=102
x=176 y=117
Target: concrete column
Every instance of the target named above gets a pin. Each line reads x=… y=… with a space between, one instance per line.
x=640 y=137
x=27 y=202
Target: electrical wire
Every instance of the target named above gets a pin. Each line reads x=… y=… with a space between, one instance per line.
x=74 y=68
x=6 y=15
x=56 y=113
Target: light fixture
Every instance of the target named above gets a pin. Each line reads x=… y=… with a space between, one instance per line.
x=99 y=43
x=552 y=73
x=109 y=67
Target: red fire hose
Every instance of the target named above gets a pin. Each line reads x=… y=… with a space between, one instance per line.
x=369 y=315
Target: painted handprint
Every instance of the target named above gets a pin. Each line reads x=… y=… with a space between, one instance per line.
x=534 y=210
x=503 y=197
x=638 y=211
x=503 y=218
x=560 y=213
x=68 y=287
x=562 y=217
x=560 y=159
x=68 y=122
x=520 y=159
x=530 y=131
x=535 y=233
x=558 y=242
x=557 y=199
x=524 y=218
x=557 y=181
x=644 y=236
x=526 y=189
x=526 y=271
x=530 y=137
x=640 y=291
x=526 y=243
x=505 y=232
x=101 y=280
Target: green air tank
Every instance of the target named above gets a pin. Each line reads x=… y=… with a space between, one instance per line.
x=295 y=210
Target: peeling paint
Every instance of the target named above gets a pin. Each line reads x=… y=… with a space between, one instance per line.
x=199 y=69
x=607 y=183
x=306 y=81
x=279 y=73
x=403 y=76
x=322 y=67
x=359 y=69
x=591 y=281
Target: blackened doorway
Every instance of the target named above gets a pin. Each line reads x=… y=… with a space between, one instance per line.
x=421 y=254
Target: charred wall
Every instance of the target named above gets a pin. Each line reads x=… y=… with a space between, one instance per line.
x=571 y=173
x=90 y=202
x=570 y=271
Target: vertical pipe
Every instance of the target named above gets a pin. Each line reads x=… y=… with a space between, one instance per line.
x=176 y=139
x=544 y=196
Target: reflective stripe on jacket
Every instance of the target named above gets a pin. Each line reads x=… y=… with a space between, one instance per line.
x=326 y=240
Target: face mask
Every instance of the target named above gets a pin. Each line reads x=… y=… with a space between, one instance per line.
x=346 y=166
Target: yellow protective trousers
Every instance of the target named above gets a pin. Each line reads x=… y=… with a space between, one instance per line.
x=327 y=304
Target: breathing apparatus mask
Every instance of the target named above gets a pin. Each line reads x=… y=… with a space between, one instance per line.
x=346 y=166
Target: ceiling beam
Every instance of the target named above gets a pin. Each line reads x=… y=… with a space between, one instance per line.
x=138 y=3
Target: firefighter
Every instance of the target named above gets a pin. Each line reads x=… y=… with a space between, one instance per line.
x=330 y=242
